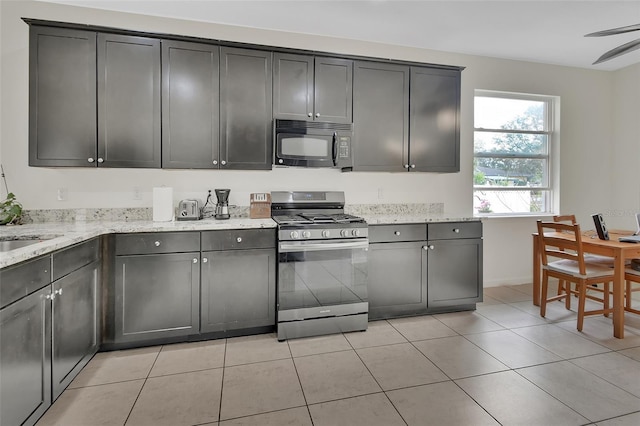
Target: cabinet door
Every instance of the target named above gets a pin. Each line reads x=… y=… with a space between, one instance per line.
x=292 y=86
x=454 y=272
x=75 y=326
x=156 y=296
x=395 y=284
x=190 y=105
x=238 y=289
x=245 y=109
x=25 y=359
x=434 y=144
x=333 y=90
x=128 y=101
x=62 y=97
x=380 y=117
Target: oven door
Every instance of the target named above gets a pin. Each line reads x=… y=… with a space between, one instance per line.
x=306 y=148
x=317 y=274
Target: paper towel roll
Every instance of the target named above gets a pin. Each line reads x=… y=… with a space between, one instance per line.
x=162 y=204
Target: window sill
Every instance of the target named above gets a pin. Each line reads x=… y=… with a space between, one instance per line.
x=544 y=216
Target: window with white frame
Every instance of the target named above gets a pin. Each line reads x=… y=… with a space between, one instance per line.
x=513 y=137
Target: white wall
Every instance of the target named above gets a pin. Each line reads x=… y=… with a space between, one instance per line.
x=597 y=110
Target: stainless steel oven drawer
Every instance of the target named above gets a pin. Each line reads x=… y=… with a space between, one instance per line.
x=157 y=242
x=397 y=233
x=238 y=239
x=454 y=230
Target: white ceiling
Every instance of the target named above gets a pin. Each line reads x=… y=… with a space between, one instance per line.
x=539 y=31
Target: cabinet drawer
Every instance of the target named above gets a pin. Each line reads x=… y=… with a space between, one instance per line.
x=453 y=230
x=75 y=257
x=161 y=242
x=396 y=233
x=238 y=239
x=23 y=279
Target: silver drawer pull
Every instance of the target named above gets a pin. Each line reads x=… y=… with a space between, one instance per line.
x=58 y=292
x=397 y=233
x=425 y=248
x=456 y=230
x=223 y=162
x=239 y=239
x=157 y=243
x=309 y=114
x=100 y=160
x=431 y=247
x=90 y=159
x=195 y=260
x=317 y=115
x=205 y=260
x=215 y=162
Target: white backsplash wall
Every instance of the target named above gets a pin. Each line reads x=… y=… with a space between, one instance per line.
x=116 y=188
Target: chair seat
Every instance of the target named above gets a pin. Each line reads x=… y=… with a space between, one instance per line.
x=572 y=268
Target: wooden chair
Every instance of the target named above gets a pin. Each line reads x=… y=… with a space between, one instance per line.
x=564 y=242
x=565 y=218
x=631 y=276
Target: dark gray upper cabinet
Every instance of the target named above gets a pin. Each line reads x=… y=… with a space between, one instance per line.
x=62 y=97
x=190 y=105
x=313 y=88
x=380 y=117
x=434 y=136
x=128 y=101
x=245 y=109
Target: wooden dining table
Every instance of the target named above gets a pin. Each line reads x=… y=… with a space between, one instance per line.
x=619 y=251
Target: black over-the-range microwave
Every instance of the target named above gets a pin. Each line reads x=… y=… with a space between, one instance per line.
x=312 y=144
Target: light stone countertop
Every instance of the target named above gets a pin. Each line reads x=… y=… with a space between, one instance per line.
x=386 y=219
x=58 y=235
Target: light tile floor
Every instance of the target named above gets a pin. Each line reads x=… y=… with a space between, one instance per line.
x=499 y=365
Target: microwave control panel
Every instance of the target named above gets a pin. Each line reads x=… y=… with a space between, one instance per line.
x=344 y=142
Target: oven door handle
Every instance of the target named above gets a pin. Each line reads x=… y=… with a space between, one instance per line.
x=299 y=246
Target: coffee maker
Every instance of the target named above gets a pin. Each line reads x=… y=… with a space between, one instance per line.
x=222 y=206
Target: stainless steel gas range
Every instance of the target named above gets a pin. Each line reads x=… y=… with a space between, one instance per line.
x=322 y=265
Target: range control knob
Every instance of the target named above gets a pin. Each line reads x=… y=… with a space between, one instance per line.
x=306 y=234
x=294 y=234
x=344 y=233
x=355 y=232
x=326 y=233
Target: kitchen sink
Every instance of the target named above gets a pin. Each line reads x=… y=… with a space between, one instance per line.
x=8 y=245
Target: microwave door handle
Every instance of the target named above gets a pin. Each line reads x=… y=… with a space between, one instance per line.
x=334 y=149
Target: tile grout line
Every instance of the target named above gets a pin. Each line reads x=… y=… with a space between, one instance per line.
x=142 y=387
x=224 y=368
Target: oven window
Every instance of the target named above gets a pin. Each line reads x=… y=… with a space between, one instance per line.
x=322 y=278
x=304 y=146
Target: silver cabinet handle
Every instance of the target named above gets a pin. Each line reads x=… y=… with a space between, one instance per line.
x=100 y=160
x=49 y=297
x=425 y=247
x=239 y=239
x=317 y=114
x=58 y=292
x=397 y=233
x=195 y=260
x=205 y=260
x=215 y=162
x=406 y=166
x=431 y=247
x=413 y=166
x=456 y=230
x=223 y=162
x=309 y=114
x=157 y=244
x=90 y=159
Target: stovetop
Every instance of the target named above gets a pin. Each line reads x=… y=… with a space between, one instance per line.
x=315 y=218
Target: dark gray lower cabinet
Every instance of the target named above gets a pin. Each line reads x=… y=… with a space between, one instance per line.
x=25 y=359
x=76 y=324
x=156 y=296
x=396 y=285
x=410 y=274
x=238 y=289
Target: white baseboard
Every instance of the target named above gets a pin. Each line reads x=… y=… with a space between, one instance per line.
x=506 y=281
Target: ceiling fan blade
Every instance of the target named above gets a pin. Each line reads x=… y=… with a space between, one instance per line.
x=620 y=50
x=614 y=31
